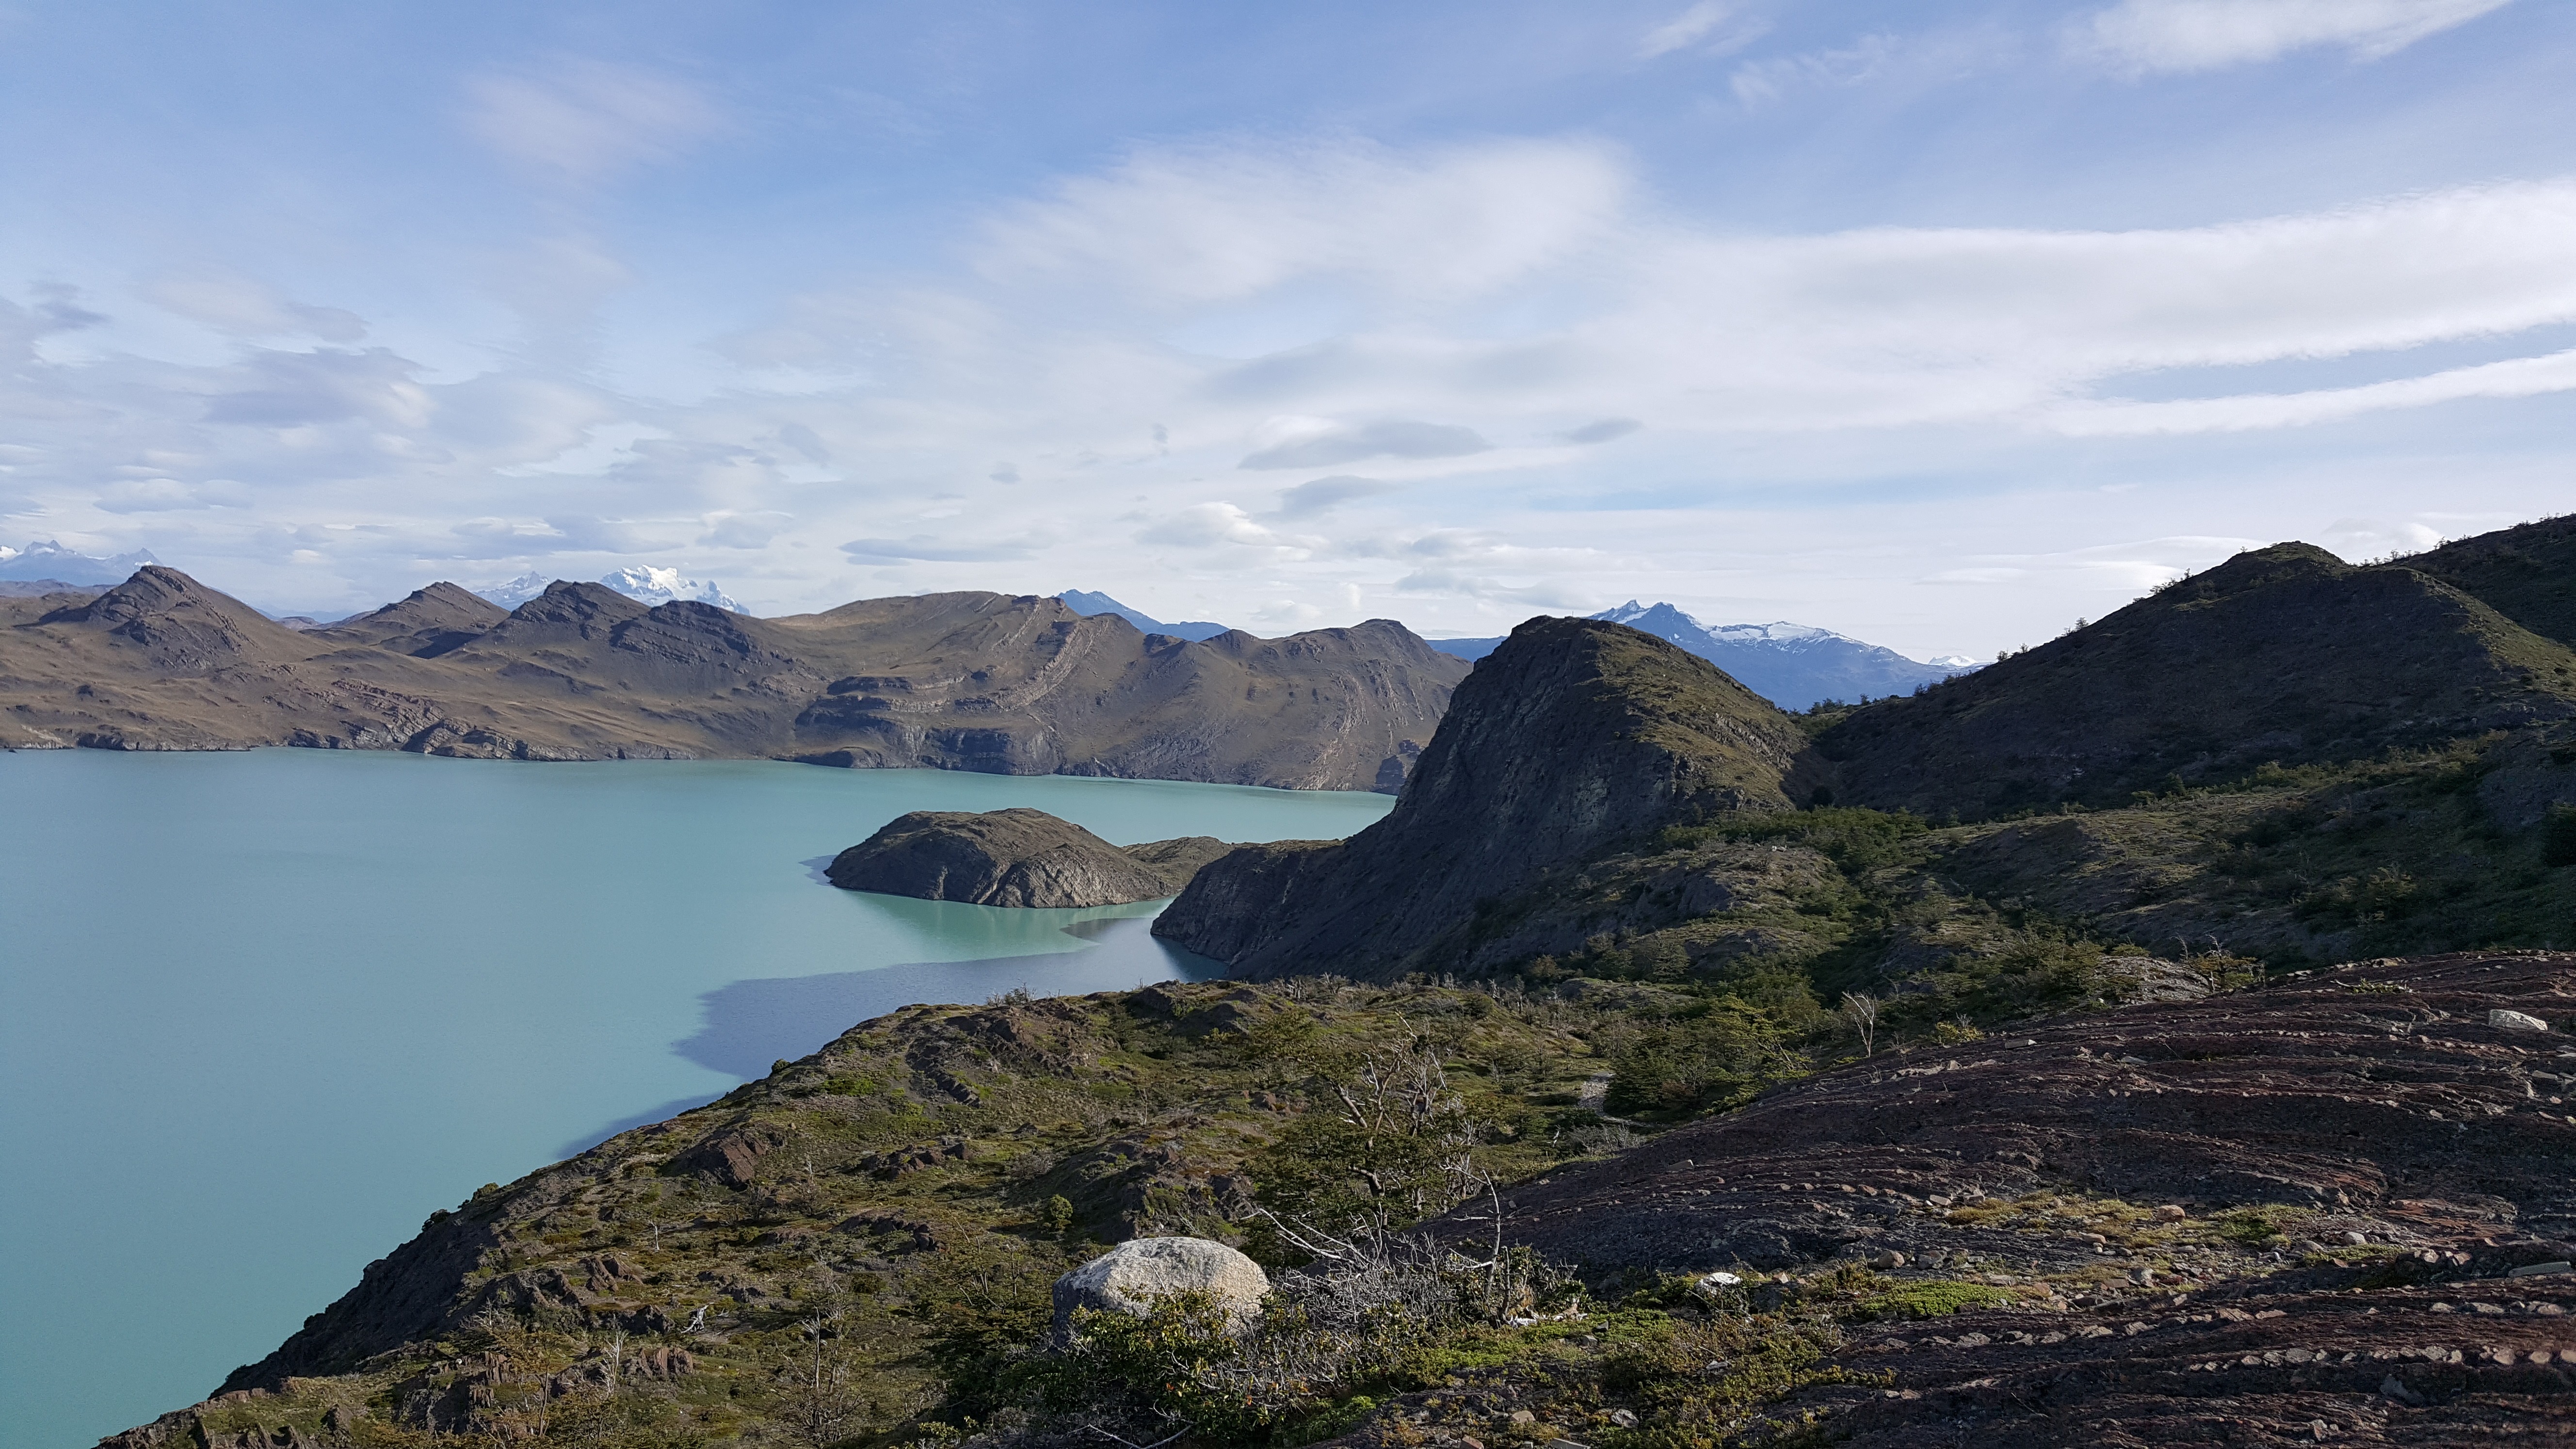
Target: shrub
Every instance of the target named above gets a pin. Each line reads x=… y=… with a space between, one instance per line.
x=1937 y=1299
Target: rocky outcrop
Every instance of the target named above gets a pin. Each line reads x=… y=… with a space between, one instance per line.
x=989 y=682
x=1016 y=857
x=1133 y=1276
x=2362 y=1127
x=1572 y=736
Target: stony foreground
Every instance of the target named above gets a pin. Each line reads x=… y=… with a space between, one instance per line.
x=2287 y=1215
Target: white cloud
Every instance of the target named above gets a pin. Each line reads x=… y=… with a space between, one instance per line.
x=2123 y=569
x=2520 y=377
x=1224 y=223
x=2198 y=35
x=1207 y=525
x=1711 y=27
x=2360 y=540
x=927 y=548
x=1324 y=446
x=1322 y=495
x=1757 y=82
x=242 y=307
x=585 y=121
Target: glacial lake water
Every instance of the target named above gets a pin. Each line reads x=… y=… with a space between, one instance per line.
x=260 y=1013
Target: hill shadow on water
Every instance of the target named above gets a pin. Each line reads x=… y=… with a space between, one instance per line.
x=750 y=1025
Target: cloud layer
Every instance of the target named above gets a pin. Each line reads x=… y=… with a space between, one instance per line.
x=1750 y=310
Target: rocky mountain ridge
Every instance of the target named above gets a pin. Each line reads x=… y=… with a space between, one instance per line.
x=2214 y=758
x=1018 y=685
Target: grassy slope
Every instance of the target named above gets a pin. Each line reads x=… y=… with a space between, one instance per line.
x=2284 y=654
x=901 y=1192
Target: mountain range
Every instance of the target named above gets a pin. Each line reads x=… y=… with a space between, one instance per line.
x=992 y=682
x=1795 y=666
x=47 y=561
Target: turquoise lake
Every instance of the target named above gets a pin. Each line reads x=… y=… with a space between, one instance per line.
x=260 y=1013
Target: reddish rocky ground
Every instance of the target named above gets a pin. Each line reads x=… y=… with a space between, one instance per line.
x=2288 y=1215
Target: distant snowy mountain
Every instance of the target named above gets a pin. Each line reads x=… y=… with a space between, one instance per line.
x=667 y=586
x=1088 y=604
x=1795 y=666
x=517 y=591
x=644 y=585
x=46 y=559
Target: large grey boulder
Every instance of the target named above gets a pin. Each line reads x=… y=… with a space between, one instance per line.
x=1128 y=1278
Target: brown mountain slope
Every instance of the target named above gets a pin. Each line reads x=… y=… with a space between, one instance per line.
x=2283 y=654
x=430 y=621
x=1572 y=736
x=2527 y=574
x=965 y=681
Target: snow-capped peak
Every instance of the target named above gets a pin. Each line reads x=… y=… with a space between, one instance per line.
x=648 y=585
x=1666 y=620
x=517 y=591
x=1952 y=661
x=1777 y=632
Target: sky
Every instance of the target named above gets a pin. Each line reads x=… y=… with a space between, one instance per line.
x=1940 y=324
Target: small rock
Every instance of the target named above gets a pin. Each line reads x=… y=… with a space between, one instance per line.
x=1887 y=1258
x=1523 y=1416
x=1624 y=1418
x=2171 y=1213
x=2355 y=1239
x=2143 y=1277
x=2395 y=1388
x=2503 y=1020
x=1566 y=1444
x=2534 y=1270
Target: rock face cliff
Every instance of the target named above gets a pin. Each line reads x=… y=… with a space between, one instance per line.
x=1572 y=736
x=989 y=682
x=2283 y=654
x=1015 y=857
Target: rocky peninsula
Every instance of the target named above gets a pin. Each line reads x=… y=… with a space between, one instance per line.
x=1016 y=857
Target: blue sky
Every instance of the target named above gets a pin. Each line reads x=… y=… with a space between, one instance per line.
x=1940 y=324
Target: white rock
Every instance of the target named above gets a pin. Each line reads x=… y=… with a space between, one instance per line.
x=2503 y=1020
x=1130 y=1277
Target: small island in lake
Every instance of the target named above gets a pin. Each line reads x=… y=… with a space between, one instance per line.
x=1016 y=857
